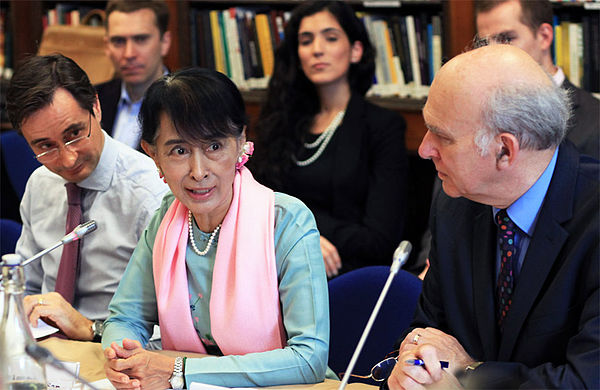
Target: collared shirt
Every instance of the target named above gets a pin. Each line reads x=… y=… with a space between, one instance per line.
x=121 y=195
x=524 y=213
x=558 y=77
x=126 y=128
x=302 y=293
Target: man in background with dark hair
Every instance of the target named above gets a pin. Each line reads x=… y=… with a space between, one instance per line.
x=85 y=175
x=527 y=24
x=136 y=41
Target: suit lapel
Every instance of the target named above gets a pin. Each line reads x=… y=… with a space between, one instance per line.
x=483 y=264
x=544 y=247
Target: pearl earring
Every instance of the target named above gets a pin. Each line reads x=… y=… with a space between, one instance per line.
x=247 y=151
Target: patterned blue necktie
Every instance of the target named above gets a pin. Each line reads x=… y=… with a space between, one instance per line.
x=505 y=284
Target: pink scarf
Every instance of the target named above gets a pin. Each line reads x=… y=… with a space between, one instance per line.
x=245 y=311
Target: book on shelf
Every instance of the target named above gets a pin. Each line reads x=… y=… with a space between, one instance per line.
x=414 y=55
x=225 y=41
x=258 y=79
x=217 y=41
x=244 y=44
x=193 y=38
x=265 y=43
x=436 y=44
x=591 y=41
x=233 y=46
x=575 y=53
x=209 y=51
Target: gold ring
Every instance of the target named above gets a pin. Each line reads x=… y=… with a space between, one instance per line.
x=415 y=339
x=40 y=301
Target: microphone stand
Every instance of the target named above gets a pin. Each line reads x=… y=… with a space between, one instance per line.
x=76 y=234
x=400 y=256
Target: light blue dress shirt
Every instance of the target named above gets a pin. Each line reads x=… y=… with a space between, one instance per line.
x=126 y=128
x=524 y=213
x=303 y=296
x=121 y=195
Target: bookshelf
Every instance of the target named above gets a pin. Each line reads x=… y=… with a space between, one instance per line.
x=576 y=46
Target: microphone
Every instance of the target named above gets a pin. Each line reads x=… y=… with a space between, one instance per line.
x=76 y=234
x=43 y=356
x=80 y=231
x=400 y=256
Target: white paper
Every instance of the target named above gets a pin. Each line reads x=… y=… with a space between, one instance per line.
x=42 y=329
x=61 y=380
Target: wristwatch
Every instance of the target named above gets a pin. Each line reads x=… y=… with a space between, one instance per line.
x=97 y=329
x=176 y=380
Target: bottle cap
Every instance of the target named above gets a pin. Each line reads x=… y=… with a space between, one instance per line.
x=12 y=259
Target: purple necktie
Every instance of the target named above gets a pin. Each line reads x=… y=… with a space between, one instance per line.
x=69 y=261
x=505 y=284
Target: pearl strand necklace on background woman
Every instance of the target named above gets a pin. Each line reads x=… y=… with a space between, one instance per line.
x=323 y=140
x=193 y=241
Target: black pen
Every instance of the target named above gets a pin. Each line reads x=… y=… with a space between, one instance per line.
x=419 y=362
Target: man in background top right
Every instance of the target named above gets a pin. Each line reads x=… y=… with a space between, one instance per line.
x=527 y=24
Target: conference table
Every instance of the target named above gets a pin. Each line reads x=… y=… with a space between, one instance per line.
x=91 y=359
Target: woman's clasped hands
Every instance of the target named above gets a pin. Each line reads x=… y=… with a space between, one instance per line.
x=132 y=367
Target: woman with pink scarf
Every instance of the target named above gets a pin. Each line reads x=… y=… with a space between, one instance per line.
x=226 y=267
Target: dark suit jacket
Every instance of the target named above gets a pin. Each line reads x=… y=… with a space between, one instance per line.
x=584 y=126
x=552 y=332
x=368 y=186
x=109 y=94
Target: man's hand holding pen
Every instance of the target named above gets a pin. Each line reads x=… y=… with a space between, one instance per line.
x=429 y=352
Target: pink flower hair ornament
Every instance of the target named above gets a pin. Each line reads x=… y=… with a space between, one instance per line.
x=247 y=151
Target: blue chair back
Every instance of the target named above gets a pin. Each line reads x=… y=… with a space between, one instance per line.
x=19 y=160
x=10 y=231
x=352 y=297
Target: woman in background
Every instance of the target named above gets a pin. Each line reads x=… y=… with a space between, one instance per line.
x=226 y=266
x=322 y=142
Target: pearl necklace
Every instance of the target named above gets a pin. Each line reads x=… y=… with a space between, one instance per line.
x=323 y=140
x=191 y=235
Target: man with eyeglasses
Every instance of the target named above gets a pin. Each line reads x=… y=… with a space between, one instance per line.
x=51 y=102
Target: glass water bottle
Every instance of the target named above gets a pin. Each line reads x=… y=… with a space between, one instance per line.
x=22 y=372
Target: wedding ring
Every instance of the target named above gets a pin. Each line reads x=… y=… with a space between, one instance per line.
x=40 y=301
x=415 y=339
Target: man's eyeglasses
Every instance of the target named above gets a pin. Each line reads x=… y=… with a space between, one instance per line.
x=382 y=370
x=75 y=141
